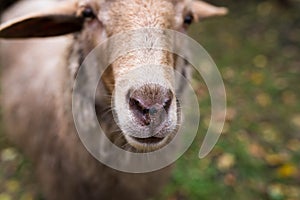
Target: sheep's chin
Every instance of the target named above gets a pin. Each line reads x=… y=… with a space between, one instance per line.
x=148 y=144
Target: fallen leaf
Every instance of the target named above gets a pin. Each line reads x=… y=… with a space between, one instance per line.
x=225 y=161
x=275 y=191
x=4 y=196
x=289 y=98
x=12 y=186
x=230 y=179
x=27 y=196
x=287 y=170
x=260 y=61
x=293 y=145
x=8 y=154
x=230 y=113
x=257 y=78
x=296 y=120
x=256 y=150
x=263 y=99
x=276 y=159
x=270 y=133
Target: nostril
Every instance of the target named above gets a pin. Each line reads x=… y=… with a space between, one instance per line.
x=135 y=104
x=140 y=111
x=167 y=104
x=150 y=105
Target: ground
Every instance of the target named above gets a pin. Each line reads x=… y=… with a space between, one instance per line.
x=256 y=48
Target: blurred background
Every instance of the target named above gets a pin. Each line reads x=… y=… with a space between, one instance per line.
x=257 y=50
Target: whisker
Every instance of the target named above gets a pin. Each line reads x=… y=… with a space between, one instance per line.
x=116 y=131
x=108 y=111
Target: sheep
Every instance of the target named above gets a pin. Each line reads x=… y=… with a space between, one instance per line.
x=5 y=4
x=39 y=69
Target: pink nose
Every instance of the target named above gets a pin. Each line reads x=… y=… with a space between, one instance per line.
x=150 y=104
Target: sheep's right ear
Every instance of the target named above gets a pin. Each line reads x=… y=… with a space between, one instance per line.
x=203 y=10
x=58 y=21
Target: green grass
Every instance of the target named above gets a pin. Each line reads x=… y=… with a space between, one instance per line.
x=256 y=48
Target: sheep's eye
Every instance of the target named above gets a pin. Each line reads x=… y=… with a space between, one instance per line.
x=188 y=19
x=88 y=13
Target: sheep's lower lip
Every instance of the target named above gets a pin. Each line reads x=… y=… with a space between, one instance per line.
x=149 y=140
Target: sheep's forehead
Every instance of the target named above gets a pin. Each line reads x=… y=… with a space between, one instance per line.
x=102 y=1
x=123 y=15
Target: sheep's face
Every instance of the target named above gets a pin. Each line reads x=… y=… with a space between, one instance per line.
x=141 y=81
x=144 y=95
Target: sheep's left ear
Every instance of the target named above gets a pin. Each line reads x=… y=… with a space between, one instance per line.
x=57 y=21
x=202 y=10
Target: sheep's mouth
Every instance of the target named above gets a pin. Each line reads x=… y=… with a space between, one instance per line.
x=149 y=140
x=149 y=144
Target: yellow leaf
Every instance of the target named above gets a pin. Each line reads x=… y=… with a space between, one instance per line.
x=287 y=170
x=260 y=61
x=270 y=133
x=12 y=186
x=5 y=196
x=296 y=120
x=257 y=78
x=293 y=145
x=263 y=99
x=26 y=196
x=276 y=159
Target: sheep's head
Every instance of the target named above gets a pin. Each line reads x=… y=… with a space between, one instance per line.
x=142 y=81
